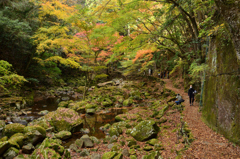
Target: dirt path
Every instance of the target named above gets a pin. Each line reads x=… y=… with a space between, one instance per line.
x=207 y=144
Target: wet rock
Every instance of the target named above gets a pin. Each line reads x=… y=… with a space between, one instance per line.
x=145 y=130
x=65 y=119
x=44 y=112
x=63 y=135
x=11 y=153
x=28 y=149
x=84 y=153
x=19 y=120
x=12 y=129
x=96 y=156
x=4 y=146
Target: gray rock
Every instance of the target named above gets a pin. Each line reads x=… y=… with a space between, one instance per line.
x=87 y=142
x=96 y=156
x=84 y=153
x=85 y=130
x=28 y=149
x=19 y=120
x=44 y=112
x=110 y=146
x=63 y=135
x=11 y=153
x=125 y=152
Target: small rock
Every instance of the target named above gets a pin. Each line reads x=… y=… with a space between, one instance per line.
x=44 y=112
x=87 y=142
x=65 y=98
x=110 y=146
x=125 y=152
x=85 y=131
x=96 y=156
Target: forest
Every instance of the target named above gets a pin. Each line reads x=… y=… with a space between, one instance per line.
x=99 y=79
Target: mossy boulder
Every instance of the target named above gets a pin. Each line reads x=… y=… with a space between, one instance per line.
x=115 y=131
x=51 y=148
x=41 y=122
x=17 y=140
x=4 y=146
x=107 y=102
x=65 y=119
x=33 y=128
x=12 y=129
x=109 y=155
x=145 y=130
x=11 y=153
x=63 y=135
x=127 y=102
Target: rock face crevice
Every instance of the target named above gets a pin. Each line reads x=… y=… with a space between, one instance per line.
x=221 y=97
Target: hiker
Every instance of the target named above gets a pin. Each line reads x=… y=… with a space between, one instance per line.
x=179 y=99
x=191 y=93
x=159 y=75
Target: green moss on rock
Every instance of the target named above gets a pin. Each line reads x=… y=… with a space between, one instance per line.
x=12 y=129
x=145 y=130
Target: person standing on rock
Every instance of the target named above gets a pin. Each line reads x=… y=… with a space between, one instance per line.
x=191 y=93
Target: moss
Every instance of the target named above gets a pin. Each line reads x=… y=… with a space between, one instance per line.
x=12 y=129
x=35 y=127
x=109 y=155
x=17 y=140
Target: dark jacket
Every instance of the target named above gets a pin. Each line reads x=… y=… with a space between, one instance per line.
x=190 y=92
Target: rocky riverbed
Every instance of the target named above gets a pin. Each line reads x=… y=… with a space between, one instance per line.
x=117 y=119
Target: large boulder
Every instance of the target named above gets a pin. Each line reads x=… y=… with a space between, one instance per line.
x=87 y=142
x=34 y=134
x=11 y=153
x=65 y=119
x=12 y=129
x=145 y=130
x=51 y=148
x=17 y=140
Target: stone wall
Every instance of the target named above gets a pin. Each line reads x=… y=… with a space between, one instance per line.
x=221 y=97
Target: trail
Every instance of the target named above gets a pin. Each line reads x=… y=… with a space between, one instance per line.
x=207 y=144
